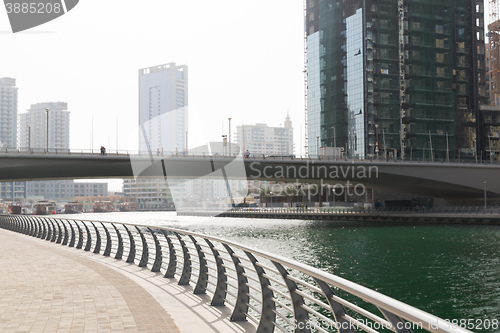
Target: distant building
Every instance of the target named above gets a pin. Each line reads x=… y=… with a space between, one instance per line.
x=150 y=193
x=65 y=189
x=163 y=123
x=9 y=191
x=91 y=189
x=260 y=139
x=163 y=101
x=33 y=126
x=8 y=113
x=33 y=134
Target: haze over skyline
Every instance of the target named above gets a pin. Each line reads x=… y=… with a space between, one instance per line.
x=245 y=62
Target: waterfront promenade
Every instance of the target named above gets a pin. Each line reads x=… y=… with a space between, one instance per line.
x=46 y=287
x=446 y=215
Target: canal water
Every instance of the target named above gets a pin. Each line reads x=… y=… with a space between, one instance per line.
x=451 y=271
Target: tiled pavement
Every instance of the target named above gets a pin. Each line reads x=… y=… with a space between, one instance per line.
x=47 y=287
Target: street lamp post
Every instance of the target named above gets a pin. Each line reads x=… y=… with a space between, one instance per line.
x=317 y=145
x=29 y=138
x=484 y=197
x=229 y=138
x=186 y=141
x=47 y=143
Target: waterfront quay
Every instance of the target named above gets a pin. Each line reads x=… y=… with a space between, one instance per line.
x=46 y=287
x=455 y=215
x=235 y=288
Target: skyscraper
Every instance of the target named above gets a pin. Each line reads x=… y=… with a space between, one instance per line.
x=8 y=113
x=163 y=122
x=398 y=77
x=163 y=114
x=8 y=134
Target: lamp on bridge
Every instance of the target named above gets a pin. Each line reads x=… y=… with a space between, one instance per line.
x=47 y=144
x=29 y=138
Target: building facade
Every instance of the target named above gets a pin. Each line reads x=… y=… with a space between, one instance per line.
x=402 y=78
x=163 y=113
x=260 y=139
x=33 y=126
x=65 y=189
x=8 y=113
x=8 y=134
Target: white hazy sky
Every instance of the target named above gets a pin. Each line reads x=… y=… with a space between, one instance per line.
x=245 y=61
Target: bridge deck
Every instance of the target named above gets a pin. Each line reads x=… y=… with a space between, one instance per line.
x=46 y=287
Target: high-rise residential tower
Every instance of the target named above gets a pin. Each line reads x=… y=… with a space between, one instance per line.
x=8 y=113
x=398 y=77
x=8 y=134
x=163 y=114
x=33 y=126
x=163 y=123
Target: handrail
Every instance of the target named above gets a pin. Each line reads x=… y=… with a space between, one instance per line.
x=271 y=290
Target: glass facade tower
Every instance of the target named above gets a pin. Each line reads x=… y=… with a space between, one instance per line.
x=403 y=78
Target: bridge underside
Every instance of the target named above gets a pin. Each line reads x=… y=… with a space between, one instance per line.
x=441 y=180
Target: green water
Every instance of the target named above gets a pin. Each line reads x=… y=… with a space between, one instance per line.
x=451 y=271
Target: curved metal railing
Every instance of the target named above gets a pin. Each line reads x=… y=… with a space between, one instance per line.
x=276 y=293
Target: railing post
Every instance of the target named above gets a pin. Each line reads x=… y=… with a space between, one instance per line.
x=66 y=234
x=301 y=315
x=172 y=258
x=107 y=250
x=60 y=235
x=49 y=230
x=73 y=235
x=158 y=254
x=97 y=248
x=398 y=324
x=119 y=251
x=54 y=231
x=44 y=230
x=267 y=316
x=89 y=238
x=338 y=310
x=221 y=288
x=186 y=269
x=201 y=284
x=145 y=251
x=79 y=245
x=241 y=306
x=131 y=252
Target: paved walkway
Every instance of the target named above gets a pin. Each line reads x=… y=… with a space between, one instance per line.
x=47 y=287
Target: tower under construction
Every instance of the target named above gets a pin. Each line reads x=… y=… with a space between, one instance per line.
x=397 y=78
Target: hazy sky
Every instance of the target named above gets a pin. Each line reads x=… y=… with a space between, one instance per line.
x=245 y=61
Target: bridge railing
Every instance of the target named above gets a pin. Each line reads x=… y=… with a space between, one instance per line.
x=275 y=293
x=220 y=154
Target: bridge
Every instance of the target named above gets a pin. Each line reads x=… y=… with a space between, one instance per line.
x=449 y=180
